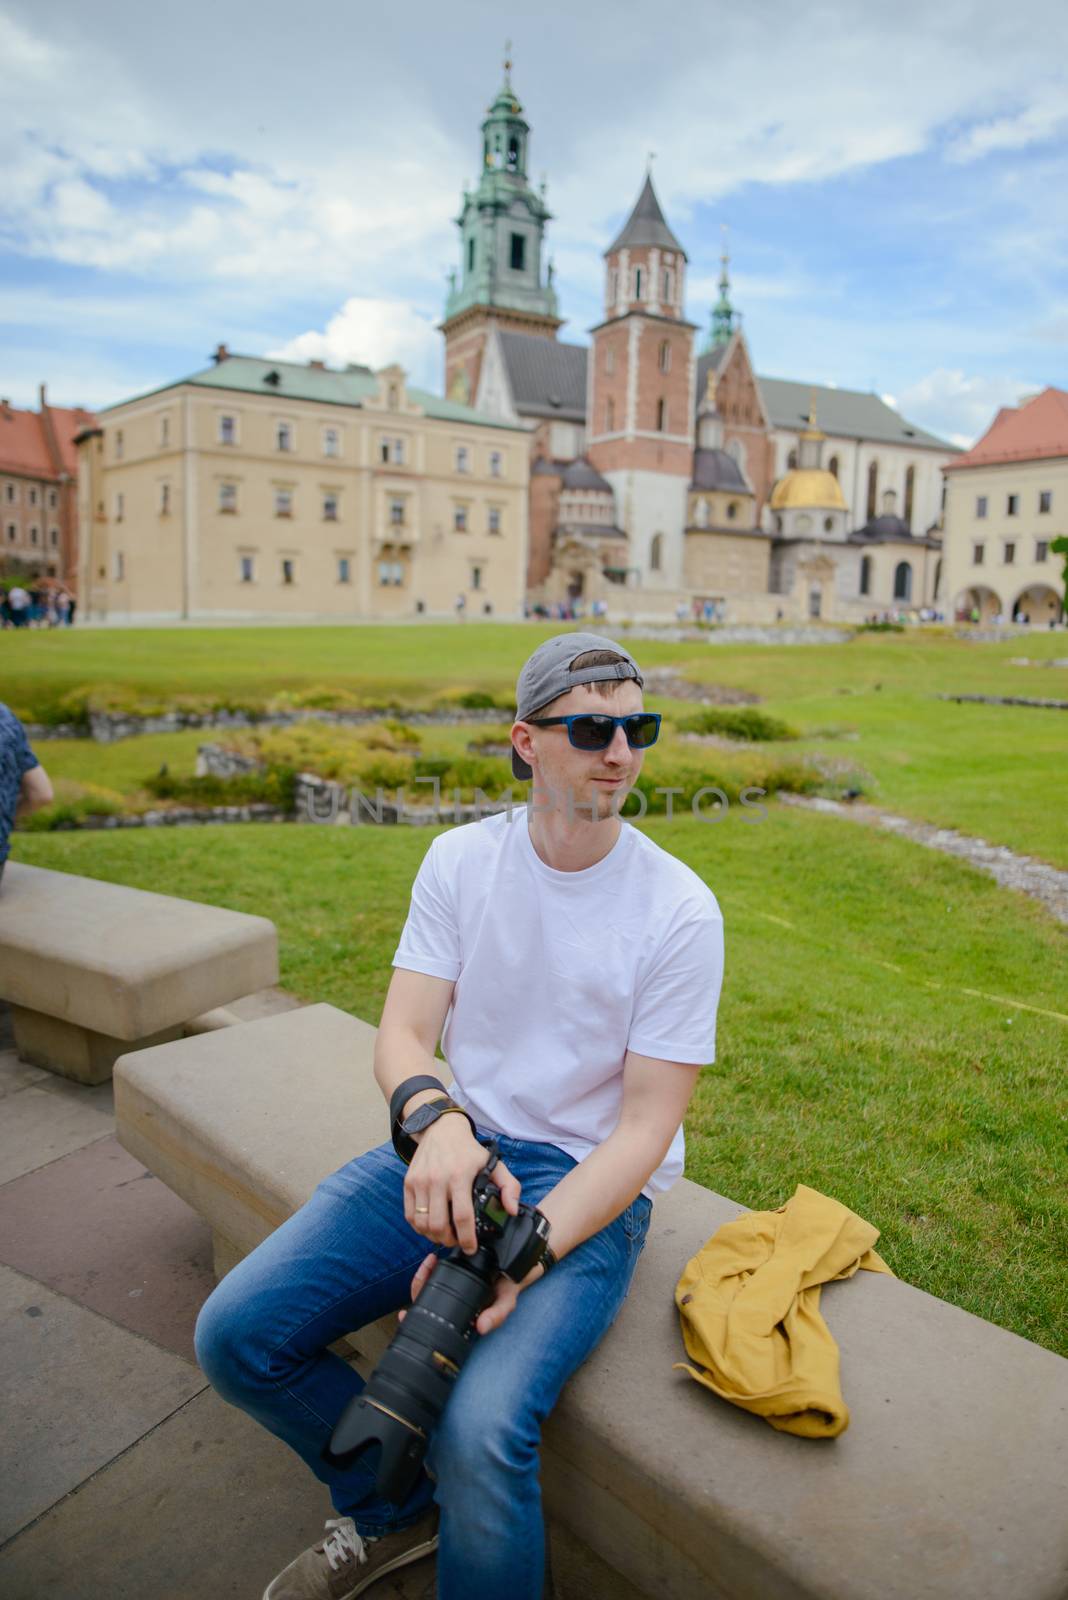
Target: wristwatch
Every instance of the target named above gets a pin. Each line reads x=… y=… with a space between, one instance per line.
x=424 y=1117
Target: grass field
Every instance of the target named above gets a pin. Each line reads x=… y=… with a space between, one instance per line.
x=894 y=1027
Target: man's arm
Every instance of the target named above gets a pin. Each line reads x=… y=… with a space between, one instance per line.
x=437 y=1188
x=655 y=1096
x=35 y=791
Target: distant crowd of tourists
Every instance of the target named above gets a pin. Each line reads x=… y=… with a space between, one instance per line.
x=42 y=605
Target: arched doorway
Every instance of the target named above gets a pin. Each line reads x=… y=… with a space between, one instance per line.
x=903 y=581
x=1038 y=604
x=980 y=599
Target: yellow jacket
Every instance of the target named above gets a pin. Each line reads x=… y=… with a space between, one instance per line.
x=749 y=1301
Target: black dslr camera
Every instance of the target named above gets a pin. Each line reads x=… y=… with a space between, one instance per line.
x=406 y=1393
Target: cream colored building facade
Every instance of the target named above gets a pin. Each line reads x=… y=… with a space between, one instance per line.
x=1000 y=522
x=265 y=489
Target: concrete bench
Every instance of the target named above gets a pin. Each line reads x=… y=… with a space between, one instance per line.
x=950 y=1484
x=92 y=970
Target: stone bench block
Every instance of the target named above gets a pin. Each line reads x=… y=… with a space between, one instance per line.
x=950 y=1484
x=93 y=969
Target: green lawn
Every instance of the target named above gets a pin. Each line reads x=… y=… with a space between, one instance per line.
x=893 y=1026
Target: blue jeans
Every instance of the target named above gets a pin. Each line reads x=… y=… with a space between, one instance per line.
x=347 y=1258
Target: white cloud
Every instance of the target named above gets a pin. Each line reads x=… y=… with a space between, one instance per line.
x=958 y=406
x=373 y=333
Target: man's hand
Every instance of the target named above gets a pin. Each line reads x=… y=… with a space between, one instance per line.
x=506 y=1293
x=437 y=1188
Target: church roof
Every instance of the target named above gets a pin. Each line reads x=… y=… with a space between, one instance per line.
x=707 y=363
x=646 y=224
x=547 y=377
x=580 y=474
x=715 y=469
x=808 y=488
x=844 y=414
x=1034 y=431
x=294 y=380
x=880 y=530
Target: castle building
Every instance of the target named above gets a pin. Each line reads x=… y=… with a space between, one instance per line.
x=1007 y=505
x=270 y=488
x=38 y=490
x=673 y=474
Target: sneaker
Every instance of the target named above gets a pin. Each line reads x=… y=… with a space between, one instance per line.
x=344 y=1564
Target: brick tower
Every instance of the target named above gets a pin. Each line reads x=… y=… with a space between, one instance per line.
x=640 y=405
x=502 y=233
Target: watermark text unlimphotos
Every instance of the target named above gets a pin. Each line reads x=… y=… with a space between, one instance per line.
x=708 y=804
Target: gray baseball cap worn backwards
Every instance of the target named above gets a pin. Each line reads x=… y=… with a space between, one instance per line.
x=548 y=674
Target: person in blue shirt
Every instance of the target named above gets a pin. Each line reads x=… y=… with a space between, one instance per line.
x=24 y=784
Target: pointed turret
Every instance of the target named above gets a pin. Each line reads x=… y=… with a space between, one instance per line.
x=724 y=316
x=646 y=224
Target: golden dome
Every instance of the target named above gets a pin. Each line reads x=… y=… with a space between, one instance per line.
x=810 y=488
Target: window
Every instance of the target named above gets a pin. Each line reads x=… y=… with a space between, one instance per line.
x=832 y=468
x=667 y=291
x=637 y=283
x=701 y=513
x=459 y=519
x=247 y=566
x=53 y=499
x=391 y=450
x=664 y=357
x=494 y=519
x=978 y=554
x=164 y=499
x=903 y=581
x=53 y=538
x=120 y=566
x=654 y=552
x=609 y=361
x=980 y=507
x=865 y=574
x=331 y=442
x=396 y=513
x=470 y=255
x=1012 y=505
x=1045 y=500
x=390 y=572
x=513 y=154
x=910 y=493
x=284 y=436
x=828 y=524
x=518 y=252
x=343 y=575
x=33 y=496
x=495 y=463
x=227 y=430
x=476 y=577
x=12 y=531
x=118 y=444
x=1010 y=552
x=120 y=507
x=393 y=397
x=228 y=498
x=661 y=414
x=791 y=461
x=873 y=488
x=288 y=565
x=329 y=507
x=732 y=510
x=12 y=494
x=383 y=450
x=609 y=414
x=462 y=458
x=1041 y=549
x=398 y=452
x=164 y=431
x=283 y=502
x=33 y=533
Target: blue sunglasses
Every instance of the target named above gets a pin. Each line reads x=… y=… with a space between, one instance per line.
x=591 y=731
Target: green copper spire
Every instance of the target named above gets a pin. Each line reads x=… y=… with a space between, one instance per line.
x=724 y=316
x=502 y=220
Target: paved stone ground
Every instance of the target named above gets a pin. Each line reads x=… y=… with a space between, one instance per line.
x=121 y=1473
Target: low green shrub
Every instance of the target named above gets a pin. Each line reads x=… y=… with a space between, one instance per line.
x=742 y=722
x=73 y=803
x=274 y=786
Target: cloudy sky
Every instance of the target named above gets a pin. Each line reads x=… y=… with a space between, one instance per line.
x=285 y=178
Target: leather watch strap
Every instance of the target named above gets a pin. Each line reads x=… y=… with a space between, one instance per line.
x=404 y=1091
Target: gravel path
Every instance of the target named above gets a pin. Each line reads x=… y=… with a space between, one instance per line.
x=1023 y=873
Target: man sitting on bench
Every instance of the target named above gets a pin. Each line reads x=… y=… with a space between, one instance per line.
x=576 y=969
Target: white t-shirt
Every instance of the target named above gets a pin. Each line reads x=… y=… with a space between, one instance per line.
x=558 y=974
